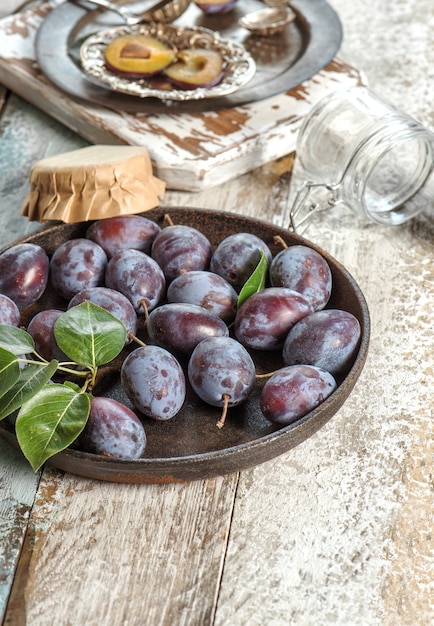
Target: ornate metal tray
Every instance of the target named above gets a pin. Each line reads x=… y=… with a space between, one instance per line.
x=239 y=65
x=282 y=61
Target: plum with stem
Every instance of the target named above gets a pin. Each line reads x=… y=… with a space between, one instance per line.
x=222 y=373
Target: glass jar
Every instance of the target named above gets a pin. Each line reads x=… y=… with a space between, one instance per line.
x=370 y=156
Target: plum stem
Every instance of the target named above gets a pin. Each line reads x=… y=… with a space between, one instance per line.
x=143 y=303
x=62 y=366
x=222 y=419
x=279 y=239
x=168 y=219
x=267 y=375
x=136 y=339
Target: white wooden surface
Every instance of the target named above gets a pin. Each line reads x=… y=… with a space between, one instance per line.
x=339 y=531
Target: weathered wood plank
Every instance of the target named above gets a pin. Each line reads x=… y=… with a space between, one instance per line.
x=26 y=135
x=102 y=553
x=342 y=525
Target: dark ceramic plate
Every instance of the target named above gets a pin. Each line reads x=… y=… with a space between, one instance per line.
x=190 y=446
x=282 y=62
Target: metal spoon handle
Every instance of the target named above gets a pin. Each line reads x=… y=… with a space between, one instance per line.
x=111 y=6
x=129 y=17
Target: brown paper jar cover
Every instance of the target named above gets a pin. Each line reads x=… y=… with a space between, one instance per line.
x=91 y=183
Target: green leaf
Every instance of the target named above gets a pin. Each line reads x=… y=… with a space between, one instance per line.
x=31 y=379
x=9 y=370
x=16 y=340
x=256 y=281
x=69 y=383
x=50 y=421
x=90 y=335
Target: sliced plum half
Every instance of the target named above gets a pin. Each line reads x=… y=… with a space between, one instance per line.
x=196 y=67
x=138 y=56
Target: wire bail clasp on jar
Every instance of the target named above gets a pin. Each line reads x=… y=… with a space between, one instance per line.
x=301 y=213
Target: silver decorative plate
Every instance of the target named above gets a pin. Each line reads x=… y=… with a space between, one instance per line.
x=239 y=66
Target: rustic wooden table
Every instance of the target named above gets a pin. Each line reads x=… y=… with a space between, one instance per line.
x=338 y=531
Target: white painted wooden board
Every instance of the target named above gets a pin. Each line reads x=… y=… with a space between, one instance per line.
x=189 y=151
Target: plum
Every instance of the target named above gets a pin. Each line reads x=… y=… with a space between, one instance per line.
x=113 y=430
x=41 y=328
x=196 y=67
x=294 y=391
x=303 y=269
x=328 y=339
x=9 y=312
x=215 y=6
x=205 y=289
x=75 y=265
x=265 y=319
x=154 y=382
x=222 y=373
x=237 y=256
x=179 y=326
x=123 y=232
x=138 y=56
x=138 y=277
x=24 y=273
x=179 y=248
